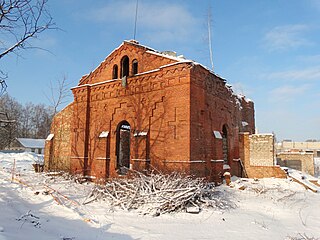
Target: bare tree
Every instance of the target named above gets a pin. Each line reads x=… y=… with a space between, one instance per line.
x=28 y=120
x=21 y=21
x=3 y=85
x=59 y=94
x=9 y=115
x=41 y=119
x=34 y=121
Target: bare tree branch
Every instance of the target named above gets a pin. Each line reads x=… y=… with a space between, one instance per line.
x=3 y=85
x=21 y=21
x=58 y=94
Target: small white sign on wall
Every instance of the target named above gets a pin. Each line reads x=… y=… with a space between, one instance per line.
x=217 y=134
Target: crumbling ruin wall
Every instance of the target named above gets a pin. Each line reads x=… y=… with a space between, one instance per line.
x=58 y=145
x=216 y=118
x=261 y=150
x=247 y=144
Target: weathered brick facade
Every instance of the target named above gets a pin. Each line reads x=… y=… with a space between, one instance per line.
x=144 y=110
x=58 y=146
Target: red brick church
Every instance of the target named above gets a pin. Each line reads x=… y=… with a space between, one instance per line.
x=146 y=110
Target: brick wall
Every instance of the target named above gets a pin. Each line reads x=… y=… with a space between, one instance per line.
x=261 y=149
x=177 y=104
x=156 y=103
x=256 y=171
x=58 y=149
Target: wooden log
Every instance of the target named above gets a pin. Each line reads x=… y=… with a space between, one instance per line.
x=305 y=184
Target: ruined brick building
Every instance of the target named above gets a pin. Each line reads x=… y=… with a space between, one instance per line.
x=142 y=109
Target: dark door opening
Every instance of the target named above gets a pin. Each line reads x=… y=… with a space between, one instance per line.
x=225 y=147
x=123 y=147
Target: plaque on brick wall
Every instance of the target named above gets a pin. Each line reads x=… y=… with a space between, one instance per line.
x=124 y=81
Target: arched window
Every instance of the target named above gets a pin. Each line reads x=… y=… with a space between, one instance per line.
x=124 y=66
x=123 y=147
x=115 y=72
x=225 y=144
x=134 y=67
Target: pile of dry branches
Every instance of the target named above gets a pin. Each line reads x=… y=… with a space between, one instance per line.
x=157 y=194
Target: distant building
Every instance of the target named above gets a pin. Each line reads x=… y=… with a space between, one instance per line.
x=301 y=161
x=298 y=155
x=307 y=146
x=29 y=145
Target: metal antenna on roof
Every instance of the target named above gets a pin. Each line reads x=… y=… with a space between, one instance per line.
x=209 y=35
x=135 y=21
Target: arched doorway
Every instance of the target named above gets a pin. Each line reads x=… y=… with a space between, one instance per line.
x=123 y=147
x=225 y=145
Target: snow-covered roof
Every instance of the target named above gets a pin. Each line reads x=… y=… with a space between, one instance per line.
x=31 y=143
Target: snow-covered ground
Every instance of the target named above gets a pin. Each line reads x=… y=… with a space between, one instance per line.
x=38 y=206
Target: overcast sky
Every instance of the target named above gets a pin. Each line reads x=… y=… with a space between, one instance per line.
x=267 y=49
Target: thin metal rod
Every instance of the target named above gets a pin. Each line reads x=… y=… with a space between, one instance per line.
x=209 y=33
x=135 y=21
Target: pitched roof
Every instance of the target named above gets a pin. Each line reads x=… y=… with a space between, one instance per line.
x=31 y=143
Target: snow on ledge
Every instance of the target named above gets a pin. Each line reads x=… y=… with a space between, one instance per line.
x=104 y=134
x=140 y=134
x=50 y=137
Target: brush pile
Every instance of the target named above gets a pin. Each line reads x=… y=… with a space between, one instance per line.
x=157 y=194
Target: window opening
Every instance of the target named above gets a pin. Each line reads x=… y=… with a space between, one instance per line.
x=125 y=67
x=115 y=72
x=134 y=67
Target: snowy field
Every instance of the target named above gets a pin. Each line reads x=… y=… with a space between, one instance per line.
x=38 y=206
